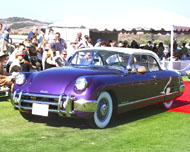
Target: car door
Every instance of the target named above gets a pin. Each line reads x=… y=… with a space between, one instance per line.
x=142 y=88
x=161 y=79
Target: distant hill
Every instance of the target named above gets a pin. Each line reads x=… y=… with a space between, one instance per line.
x=20 y=25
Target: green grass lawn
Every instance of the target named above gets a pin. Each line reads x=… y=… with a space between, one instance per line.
x=185 y=78
x=150 y=129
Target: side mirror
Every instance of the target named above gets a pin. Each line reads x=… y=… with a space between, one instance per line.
x=141 y=70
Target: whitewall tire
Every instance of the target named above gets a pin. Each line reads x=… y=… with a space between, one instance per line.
x=168 y=104
x=103 y=113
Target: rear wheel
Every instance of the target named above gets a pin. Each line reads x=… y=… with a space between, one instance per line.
x=103 y=113
x=168 y=104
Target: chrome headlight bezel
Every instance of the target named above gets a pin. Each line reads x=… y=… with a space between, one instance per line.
x=20 y=79
x=81 y=83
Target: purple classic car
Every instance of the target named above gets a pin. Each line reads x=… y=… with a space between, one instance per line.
x=96 y=84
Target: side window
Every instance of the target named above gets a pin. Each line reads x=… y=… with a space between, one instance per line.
x=75 y=60
x=152 y=64
x=140 y=60
x=97 y=60
x=118 y=60
x=111 y=59
x=147 y=61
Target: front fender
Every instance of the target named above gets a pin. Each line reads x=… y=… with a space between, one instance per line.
x=96 y=84
x=29 y=76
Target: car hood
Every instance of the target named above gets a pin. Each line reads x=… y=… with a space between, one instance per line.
x=54 y=81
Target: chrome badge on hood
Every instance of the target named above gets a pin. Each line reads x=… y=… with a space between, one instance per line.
x=42 y=91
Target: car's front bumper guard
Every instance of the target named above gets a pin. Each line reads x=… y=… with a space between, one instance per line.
x=64 y=102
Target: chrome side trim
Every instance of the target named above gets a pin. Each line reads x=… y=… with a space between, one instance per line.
x=134 y=102
x=167 y=84
x=168 y=94
x=182 y=88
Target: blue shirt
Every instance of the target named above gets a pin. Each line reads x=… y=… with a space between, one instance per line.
x=30 y=35
x=61 y=45
x=53 y=46
x=5 y=36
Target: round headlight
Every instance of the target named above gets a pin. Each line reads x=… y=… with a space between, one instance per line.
x=20 y=79
x=81 y=84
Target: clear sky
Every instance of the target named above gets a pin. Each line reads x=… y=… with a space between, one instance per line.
x=88 y=10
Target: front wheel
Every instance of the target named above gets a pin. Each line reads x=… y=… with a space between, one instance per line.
x=103 y=113
x=27 y=116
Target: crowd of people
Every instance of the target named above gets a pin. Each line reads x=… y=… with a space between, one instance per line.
x=46 y=49
x=163 y=51
x=40 y=52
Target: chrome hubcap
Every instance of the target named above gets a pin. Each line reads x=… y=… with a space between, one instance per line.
x=104 y=109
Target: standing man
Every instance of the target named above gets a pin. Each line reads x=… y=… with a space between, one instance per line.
x=1 y=26
x=99 y=43
x=33 y=32
x=148 y=46
x=87 y=43
x=80 y=41
x=42 y=35
x=60 y=42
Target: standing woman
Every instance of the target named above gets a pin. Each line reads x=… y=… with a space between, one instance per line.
x=160 y=49
x=49 y=61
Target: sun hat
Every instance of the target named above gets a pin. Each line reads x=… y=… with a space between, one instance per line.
x=120 y=44
x=3 y=54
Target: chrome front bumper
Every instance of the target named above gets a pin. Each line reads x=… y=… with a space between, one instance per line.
x=63 y=105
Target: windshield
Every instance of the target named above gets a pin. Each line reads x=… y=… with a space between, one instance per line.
x=100 y=58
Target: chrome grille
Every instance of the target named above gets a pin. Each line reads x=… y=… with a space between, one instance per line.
x=24 y=101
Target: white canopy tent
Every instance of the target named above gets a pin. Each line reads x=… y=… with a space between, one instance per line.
x=69 y=30
x=180 y=66
x=158 y=20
